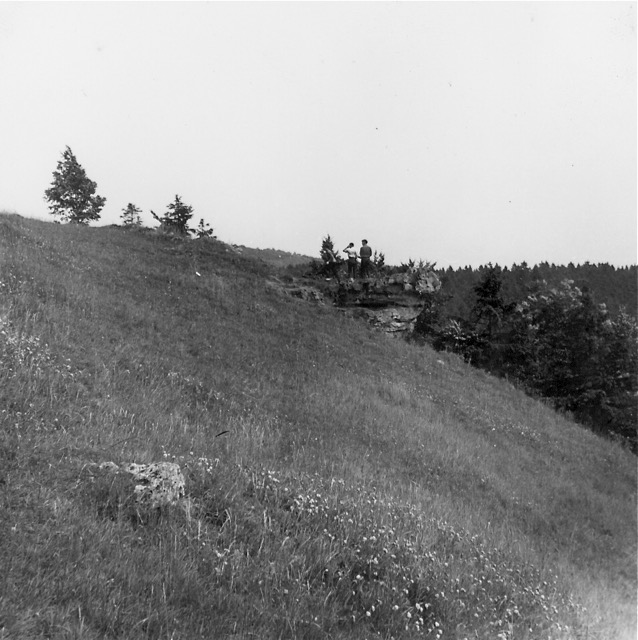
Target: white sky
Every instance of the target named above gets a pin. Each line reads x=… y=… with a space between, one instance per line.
x=457 y=132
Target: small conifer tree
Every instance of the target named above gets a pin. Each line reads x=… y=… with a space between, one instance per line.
x=204 y=230
x=378 y=260
x=328 y=253
x=71 y=195
x=176 y=217
x=330 y=260
x=131 y=216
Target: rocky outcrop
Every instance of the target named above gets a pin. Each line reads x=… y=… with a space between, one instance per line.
x=157 y=484
x=391 y=320
x=310 y=294
x=293 y=289
x=391 y=302
x=149 y=486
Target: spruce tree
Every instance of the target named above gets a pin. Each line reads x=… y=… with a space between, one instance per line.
x=330 y=261
x=71 y=195
x=204 y=230
x=488 y=317
x=131 y=216
x=176 y=217
x=327 y=252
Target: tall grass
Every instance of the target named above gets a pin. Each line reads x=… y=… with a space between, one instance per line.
x=364 y=488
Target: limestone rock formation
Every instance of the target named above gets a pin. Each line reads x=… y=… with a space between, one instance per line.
x=390 y=302
x=310 y=294
x=296 y=290
x=155 y=485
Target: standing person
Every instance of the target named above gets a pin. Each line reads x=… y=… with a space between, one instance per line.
x=332 y=264
x=351 y=252
x=366 y=254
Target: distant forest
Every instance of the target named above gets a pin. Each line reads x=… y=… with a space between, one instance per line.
x=616 y=287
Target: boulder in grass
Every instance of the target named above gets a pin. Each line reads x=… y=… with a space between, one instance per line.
x=157 y=484
x=133 y=490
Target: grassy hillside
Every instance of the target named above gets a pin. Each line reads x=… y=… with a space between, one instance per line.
x=365 y=488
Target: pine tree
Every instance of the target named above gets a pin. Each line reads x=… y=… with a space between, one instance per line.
x=378 y=260
x=176 y=217
x=488 y=318
x=131 y=216
x=327 y=252
x=331 y=261
x=71 y=195
x=204 y=230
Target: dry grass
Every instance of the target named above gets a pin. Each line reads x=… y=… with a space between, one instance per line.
x=366 y=488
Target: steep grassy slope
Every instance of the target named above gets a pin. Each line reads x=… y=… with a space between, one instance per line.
x=274 y=257
x=366 y=488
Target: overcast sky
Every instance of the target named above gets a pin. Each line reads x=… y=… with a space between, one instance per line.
x=461 y=133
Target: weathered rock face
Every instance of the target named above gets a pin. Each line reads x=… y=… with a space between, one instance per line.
x=391 y=319
x=418 y=279
x=391 y=302
x=409 y=285
x=310 y=294
x=295 y=290
x=155 y=485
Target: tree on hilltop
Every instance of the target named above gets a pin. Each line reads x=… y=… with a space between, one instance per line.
x=176 y=217
x=72 y=194
x=204 y=230
x=327 y=251
x=331 y=261
x=131 y=216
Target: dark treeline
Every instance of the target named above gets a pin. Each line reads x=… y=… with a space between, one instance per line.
x=566 y=333
x=616 y=287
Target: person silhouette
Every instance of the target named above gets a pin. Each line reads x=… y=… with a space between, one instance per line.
x=351 y=252
x=365 y=253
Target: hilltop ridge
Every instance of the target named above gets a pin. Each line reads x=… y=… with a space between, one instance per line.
x=363 y=488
